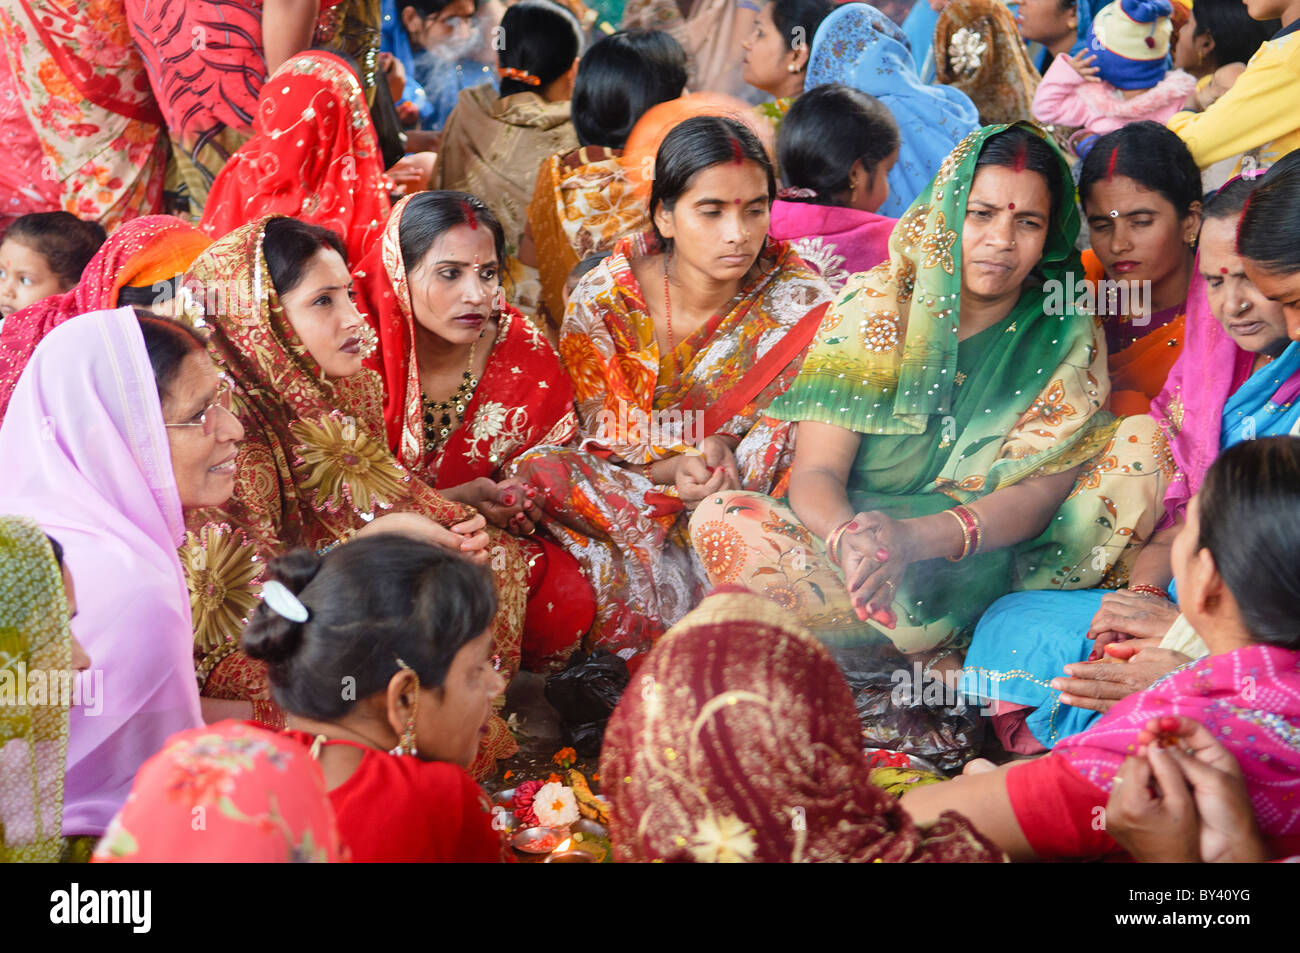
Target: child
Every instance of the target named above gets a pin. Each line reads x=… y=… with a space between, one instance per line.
x=44 y=254
x=1121 y=77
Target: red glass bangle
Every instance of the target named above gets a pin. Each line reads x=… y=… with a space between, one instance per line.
x=1151 y=591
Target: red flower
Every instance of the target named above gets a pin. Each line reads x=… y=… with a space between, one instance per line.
x=524 y=802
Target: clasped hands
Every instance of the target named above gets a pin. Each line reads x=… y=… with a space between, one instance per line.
x=874 y=551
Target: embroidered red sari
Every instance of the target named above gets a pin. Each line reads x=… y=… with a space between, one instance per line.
x=523 y=400
x=313 y=468
x=313 y=155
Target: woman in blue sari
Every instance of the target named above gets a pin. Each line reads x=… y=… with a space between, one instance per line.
x=859 y=46
x=1237 y=379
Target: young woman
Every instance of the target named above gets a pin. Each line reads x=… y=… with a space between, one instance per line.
x=1268 y=239
x=859 y=46
x=711 y=31
x=315 y=468
x=978 y=50
x=424 y=678
x=139 y=265
x=776 y=51
x=675 y=344
x=836 y=149
x=1234 y=563
x=469 y=385
x=493 y=144
x=37 y=601
x=313 y=155
x=583 y=202
x=1236 y=379
x=945 y=412
x=116 y=429
x=734 y=686
x=1056 y=25
x=1141 y=195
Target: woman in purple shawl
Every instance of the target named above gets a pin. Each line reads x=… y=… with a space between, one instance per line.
x=117 y=424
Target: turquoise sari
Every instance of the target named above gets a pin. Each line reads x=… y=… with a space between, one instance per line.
x=1026 y=639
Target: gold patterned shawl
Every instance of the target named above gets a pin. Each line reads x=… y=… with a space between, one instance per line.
x=738 y=741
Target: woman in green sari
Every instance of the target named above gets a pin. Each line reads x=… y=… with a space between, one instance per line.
x=950 y=408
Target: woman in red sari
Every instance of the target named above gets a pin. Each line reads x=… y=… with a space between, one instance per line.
x=675 y=344
x=140 y=264
x=394 y=752
x=313 y=156
x=469 y=385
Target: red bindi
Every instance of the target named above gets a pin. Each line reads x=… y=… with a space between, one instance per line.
x=1223 y=271
x=1011 y=205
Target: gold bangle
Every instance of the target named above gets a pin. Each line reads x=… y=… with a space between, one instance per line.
x=833 y=542
x=965 y=538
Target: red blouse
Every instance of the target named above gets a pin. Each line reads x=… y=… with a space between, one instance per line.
x=404 y=810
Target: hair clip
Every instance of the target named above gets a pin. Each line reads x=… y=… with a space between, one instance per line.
x=796 y=193
x=283 y=602
x=1253 y=173
x=521 y=75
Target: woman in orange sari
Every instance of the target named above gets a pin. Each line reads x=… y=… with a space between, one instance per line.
x=1141 y=195
x=583 y=202
x=313 y=469
x=469 y=385
x=675 y=344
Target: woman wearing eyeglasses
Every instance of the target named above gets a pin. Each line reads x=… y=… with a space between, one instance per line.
x=115 y=429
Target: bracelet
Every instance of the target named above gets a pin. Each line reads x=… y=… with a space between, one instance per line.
x=1151 y=591
x=972 y=531
x=834 y=539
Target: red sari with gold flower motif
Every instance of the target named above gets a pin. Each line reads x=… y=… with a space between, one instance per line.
x=524 y=399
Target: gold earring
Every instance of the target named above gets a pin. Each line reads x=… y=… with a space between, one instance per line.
x=793 y=68
x=407 y=744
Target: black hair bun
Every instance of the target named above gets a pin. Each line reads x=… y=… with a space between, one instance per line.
x=269 y=636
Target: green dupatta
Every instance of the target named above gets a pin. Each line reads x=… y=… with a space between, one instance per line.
x=35 y=643
x=944 y=423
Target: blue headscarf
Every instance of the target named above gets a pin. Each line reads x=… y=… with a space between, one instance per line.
x=859 y=46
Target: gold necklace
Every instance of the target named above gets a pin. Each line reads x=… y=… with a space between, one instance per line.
x=437 y=413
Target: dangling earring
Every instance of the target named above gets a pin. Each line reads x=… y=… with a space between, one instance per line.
x=407 y=744
x=498 y=302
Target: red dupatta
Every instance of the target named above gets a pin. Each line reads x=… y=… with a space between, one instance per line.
x=140 y=252
x=313 y=156
x=523 y=400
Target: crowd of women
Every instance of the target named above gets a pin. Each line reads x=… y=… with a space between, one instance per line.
x=357 y=356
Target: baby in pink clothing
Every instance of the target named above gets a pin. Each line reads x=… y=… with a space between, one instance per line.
x=1121 y=77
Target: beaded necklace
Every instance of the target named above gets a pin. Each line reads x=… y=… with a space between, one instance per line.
x=437 y=413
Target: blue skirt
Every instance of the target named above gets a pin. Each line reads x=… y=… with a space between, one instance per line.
x=1024 y=641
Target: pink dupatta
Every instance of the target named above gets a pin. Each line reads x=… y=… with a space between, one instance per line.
x=832 y=240
x=87 y=457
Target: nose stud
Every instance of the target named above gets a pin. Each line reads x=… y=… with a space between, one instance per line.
x=1114 y=213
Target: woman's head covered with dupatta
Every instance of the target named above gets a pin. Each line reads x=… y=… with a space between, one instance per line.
x=138 y=264
x=978 y=50
x=313 y=155
x=34 y=634
x=892 y=334
x=738 y=741
x=261 y=798
x=89 y=460
x=859 y=46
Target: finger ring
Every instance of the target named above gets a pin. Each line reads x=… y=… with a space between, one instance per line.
x=531 y=531
x=893 y=589
x=1116 y=782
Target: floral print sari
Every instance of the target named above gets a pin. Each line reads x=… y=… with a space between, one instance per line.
x=636 y=405
x=945 y=423
x=313 y=469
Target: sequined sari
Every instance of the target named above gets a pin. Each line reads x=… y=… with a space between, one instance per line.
x=637 y=405
x=523 y=400
x=739 y=743
x=313 y=468
x=944 y=422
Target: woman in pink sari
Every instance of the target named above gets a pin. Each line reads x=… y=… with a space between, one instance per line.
x=113 y=429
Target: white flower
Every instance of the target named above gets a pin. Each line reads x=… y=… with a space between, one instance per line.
x=722 y=839
x=964 y=51
x=489 y=420
x=555 y=805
